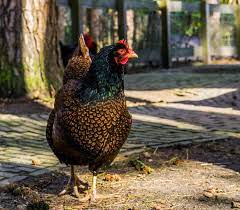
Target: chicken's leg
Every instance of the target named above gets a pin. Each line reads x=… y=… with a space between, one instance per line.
x=73 y=184
x=92 y=194
x=94 y=187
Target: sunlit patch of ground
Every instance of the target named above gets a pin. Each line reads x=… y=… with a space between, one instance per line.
x=168 y=108
x=203 y=176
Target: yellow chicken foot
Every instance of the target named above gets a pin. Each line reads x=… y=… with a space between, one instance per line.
x=92 y=193
x=73 y=185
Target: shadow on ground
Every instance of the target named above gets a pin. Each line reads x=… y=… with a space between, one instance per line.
x=202 y=151
x=228 y=100
x=171 y=80
x=175 y=183
x=23 y=106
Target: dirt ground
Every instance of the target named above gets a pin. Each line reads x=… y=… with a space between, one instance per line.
x=201 y=176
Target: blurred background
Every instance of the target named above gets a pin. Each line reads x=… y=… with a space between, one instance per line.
x=182 y=92
x=37 y=36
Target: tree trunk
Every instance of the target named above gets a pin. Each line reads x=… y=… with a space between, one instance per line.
x=29 y=53
x=11 y=72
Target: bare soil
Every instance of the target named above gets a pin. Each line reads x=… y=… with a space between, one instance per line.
x=200 y=176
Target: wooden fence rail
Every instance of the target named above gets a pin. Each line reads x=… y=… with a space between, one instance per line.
x=166 y=7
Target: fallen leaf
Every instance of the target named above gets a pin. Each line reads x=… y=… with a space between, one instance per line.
x=35 y=162
x=112 y=177
x=212 y=192
x=208 y=194
x=174 y=161
x=140 y=166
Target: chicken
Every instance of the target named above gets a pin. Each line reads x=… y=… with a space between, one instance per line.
x=68 y=50
x=90 y=121
x=91 y=44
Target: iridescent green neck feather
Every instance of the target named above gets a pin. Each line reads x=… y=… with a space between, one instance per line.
x=104 y=80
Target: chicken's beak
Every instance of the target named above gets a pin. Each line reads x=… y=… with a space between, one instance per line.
x=132 y=54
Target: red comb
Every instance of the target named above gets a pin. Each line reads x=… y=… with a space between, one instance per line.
x=123 y=41
x=89 y=40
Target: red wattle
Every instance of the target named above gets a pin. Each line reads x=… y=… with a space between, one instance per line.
x=124 y=61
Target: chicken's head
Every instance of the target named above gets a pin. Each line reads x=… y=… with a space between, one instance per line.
x=123 y=52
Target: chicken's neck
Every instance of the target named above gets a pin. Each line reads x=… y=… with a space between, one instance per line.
x=104 y=80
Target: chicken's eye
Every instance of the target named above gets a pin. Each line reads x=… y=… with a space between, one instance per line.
x=121 y=51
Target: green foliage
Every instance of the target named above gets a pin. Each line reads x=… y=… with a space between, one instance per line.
x=189 y=24
x=186 y=23
x=228 y=30
x=228 y=2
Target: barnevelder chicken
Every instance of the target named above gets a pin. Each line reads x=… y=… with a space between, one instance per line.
x=90 y=121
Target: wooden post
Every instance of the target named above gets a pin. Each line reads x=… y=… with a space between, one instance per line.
x=166 y=32
x=205 y=36
x=77 y=15
x=237 y=18
x=122 y=19
x=81 y=14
